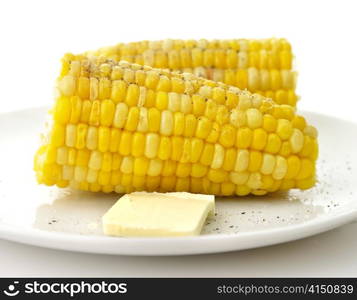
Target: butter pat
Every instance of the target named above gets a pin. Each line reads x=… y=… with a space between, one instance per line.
x=158 y=214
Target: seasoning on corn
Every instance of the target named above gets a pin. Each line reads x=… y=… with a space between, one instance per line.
x=262 y=66
x=125 y=127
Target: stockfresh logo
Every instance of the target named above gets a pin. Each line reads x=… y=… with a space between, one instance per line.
x=11 y=290
x=70 y=289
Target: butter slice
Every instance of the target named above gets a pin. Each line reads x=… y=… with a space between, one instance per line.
x=144 y=214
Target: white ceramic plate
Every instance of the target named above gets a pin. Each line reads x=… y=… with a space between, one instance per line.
x=70 y=220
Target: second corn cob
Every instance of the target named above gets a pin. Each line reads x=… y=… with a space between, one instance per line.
x=261 y=66
x=124 y=127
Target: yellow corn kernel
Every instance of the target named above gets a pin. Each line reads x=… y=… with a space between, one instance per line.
x=138 y=144
x=152 y=79
x=242 y=79
x=177 y=85
x=141 y=165
x=152 y=183
x=242 y=160
x=182 y=184
x=116 y=161
x=268 y=164
x=296 y=141
x=227 y=137
x=174 y=100
x=93 y=88
x=72 y=153
x=83 y=87
x=307 y=169
x=255 y=161
x=167 y=183
x=218 y=157
x=94 y=117
x=259 y=140
x=62 y=156
x=107 y=162
x=71 y=133
x=120 y=116
x=167 y=123
x=183 y=169
x=115 y=178
x=199 y=105
x=285 y=149
x=254 y=181
x=162 y=100
x=204 y=126
x=164 y=84
x=198 y=170
x=214 y=134
x=76 y=108
x=230 y=159
x=155 y=167
x=244 y=138
x=95 y=160
x=132 y=95
x=281 y=168
x=126 y=180
x=58 y=133
x=211 y=110
x=140 y=77
x=239 y=178
x=169 y=168
x=179 y=123
x=223 y=115
x=254 y=118
x=127 y=165
x=299 y=123
x=177 y=148
x=227 y=188
x=306 y=183
x=152 y=145
x=218 y=95
x=104 y=178
x=62 y=110
x=186 y=104
x=217 y=175
x=242 y=190
x=103 y=139
x=86 y=109
x=107 y=111
x=190 y=125
x=104 y=88
x=207 y=154
x=273 y=143
x=125 y=145
x=269 y=123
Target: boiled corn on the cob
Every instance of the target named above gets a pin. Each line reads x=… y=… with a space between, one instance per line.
x=261 y=66
x=125 y=127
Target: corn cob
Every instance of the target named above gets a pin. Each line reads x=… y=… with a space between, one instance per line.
x=125 y=127
x=261 y=66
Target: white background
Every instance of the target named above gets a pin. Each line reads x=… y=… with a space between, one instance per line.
x=35 y=34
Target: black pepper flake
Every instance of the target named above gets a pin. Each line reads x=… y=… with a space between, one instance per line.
x=231 y=226
x=242 y=213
